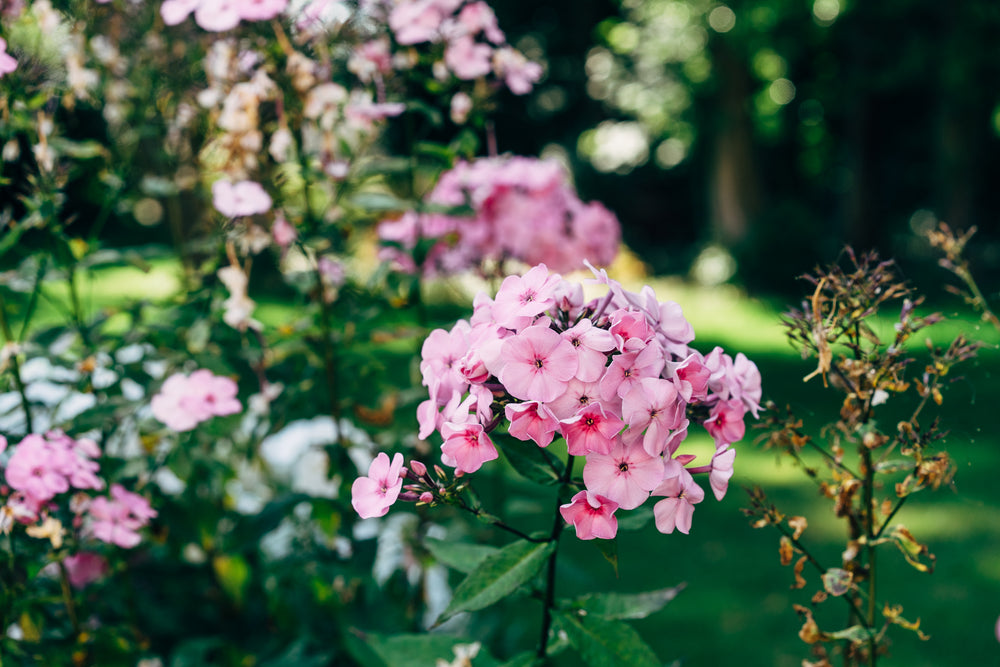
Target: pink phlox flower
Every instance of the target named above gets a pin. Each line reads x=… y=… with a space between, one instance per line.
x=478 y=17
x=483 y=401
x=113 y=522
x=744 y=383
x=579 y=394
x=176 y=11
x=520 y=75
x=85 y=568
x=521 y=298
x=370 y=59
x=537 y=364
x=7 y=62
x=676 y=438
x=626 y=475
x=690 y=376
x=261 y=10
x=467 y=445
x=416 y=21
x=532 y=421
x=137 y=505
x=722 y=471
x=725 y=422
x=238 y=199
x=592 y=345
x=284 y=232
x=675 y=331
x=682 y=494
x=718 y=363
x=37 y=469
x=597 y=228
x=218 y=15
x=184 y=402
x=441 y=356
x=628 y=368
x=591 y=430
x=372 y=496
x=630 y=330
x=653 y=406
x=592 y=515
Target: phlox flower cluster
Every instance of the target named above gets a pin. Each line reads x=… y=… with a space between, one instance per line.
x=503 y=194
x=474 y=44
x=38 y=477
x=184 y=401
x=615 y=377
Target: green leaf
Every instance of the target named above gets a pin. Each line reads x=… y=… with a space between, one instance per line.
x=498 y=576
x=461 y=556
x=604 y=643
x=379 y=201
x=637 y=519
x=423 y=649
x=532 y=462
x=233 y=574
x=620 y=606
x=81 y=150
x=526 y=659
x=608 y=549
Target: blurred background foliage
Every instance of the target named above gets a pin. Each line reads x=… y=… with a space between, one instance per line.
x=769 y=128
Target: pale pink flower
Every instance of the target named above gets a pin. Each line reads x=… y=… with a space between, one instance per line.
x=461 y=105
x=468 y=59
x=261 y=10
x=592 y=515
x=372 y=496
x=653 y=405
x=176 y=11
x=538 y=364
x=118 y=520
x=682 y=494
x=218 y=15
x=36 y=468
x=84 y=568
x=478 y=17
x=577 y=395
x=628 y=368
x=184 y=402
x=722 y=471
x=630 y=329
x=592 y=430
x=626 y=475
x=467 y=445
x=238 y=199
x=532 y=421
x=690 y=376
x=7 y=62
x=592 y=345
x=416 y=21
x=522 y=298
x=519 y=73
x=283 y=232
x=725 y=422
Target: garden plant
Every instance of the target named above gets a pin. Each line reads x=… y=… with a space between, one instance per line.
x=301 y=365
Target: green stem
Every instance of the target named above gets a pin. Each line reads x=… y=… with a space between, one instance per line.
x=558 y=523
x=15 y=365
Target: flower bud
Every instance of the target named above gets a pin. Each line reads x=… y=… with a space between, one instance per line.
x=418 y=468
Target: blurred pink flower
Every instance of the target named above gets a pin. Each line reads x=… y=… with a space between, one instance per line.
x=372 y=496
x=84 y=568
x=183 y=402
x=117 y=520
x=7 y=62
x=238 y=199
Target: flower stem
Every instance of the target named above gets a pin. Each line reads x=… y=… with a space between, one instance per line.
x=15 y=365
x=550 y=576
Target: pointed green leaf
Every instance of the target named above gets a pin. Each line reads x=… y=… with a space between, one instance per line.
x=606 y=643
x=856 y=634
x=423 y=649
x=498 y=576
x=608 y=549
x=526 y=659
x=461 y=556
x=637 y=519
x=531 y=461
x=619 y=606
